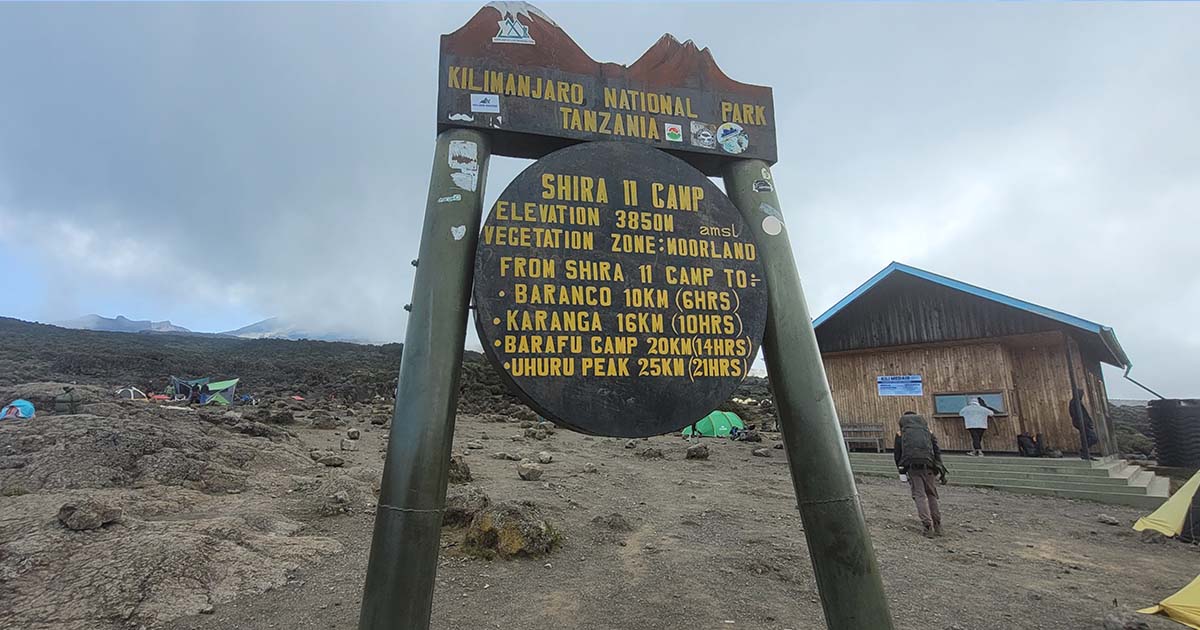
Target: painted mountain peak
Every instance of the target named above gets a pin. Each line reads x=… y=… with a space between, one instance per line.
x=493 y=30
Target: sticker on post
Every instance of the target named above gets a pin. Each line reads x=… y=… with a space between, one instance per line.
x=763 y=186
x=512 y=31
x=772 y=226
x=458 y=232
x=673 y=132
x=704 y=135
x=464 y=164
x=732 y=138
x=766 y=174
x=770 y=210
x=462 y=118
x=485 y=104
x=450 y=198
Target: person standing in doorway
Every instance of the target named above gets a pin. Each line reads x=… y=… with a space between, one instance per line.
x=1082 y=421
x=975 y=416
x=919 y=458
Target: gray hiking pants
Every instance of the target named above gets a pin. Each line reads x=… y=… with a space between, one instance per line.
x=924 y=493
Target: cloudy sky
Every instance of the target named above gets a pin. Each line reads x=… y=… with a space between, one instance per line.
x=216 y=164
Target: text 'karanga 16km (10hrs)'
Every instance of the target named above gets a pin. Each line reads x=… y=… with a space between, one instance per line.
x=618 y=290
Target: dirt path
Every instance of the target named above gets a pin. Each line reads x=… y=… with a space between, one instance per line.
x=718 y=544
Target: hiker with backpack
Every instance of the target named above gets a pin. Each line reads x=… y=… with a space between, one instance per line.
x=919 y=459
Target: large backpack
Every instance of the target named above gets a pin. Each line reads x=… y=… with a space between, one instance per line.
x=67 y=402
x=916 y=443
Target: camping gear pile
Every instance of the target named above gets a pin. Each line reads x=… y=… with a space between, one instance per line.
x=203 y=391
x=17 y=409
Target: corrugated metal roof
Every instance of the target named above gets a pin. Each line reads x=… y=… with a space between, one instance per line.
x=1106 y=334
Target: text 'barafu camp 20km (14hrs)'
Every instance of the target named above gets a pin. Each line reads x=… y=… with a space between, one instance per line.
x=618 y=290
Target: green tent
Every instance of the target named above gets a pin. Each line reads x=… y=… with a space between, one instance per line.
x=716 y=424
x=220 y=393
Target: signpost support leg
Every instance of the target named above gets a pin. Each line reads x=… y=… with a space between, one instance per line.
x=398 y=594
x=843 y=559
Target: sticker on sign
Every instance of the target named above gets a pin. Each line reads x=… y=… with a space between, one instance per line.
x=673 y=132
x=485 y=104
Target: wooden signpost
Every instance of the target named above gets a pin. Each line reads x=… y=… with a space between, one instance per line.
x=617 y=290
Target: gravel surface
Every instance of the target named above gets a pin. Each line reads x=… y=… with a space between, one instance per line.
x=717 y=543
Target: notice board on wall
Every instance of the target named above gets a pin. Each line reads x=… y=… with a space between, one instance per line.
x=902 y=385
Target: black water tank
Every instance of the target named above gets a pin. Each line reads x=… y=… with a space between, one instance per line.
x=1176 y=426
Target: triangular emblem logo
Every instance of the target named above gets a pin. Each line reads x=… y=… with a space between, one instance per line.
x=512 y=31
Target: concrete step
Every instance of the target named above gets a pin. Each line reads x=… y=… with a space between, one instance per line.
x=1060 y=462
x=1138 y=500
x=999 y=465
x=973 y=480
x=992 y=475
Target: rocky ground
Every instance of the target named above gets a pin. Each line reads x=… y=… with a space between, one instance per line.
x=133 y=515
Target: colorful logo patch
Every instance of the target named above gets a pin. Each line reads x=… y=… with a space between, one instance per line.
x=673 y=132
x=732 y=138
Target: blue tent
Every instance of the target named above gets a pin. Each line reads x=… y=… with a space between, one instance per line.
x=18 y=409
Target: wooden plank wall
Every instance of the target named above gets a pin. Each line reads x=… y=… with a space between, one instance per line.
x=904 y=310
x=944 y=369
x=1039 y=366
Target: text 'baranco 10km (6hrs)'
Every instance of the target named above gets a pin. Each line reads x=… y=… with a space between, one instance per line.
x=618 y=290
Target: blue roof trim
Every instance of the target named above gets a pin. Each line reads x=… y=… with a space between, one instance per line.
x=1107 y=336
x=1050 y=313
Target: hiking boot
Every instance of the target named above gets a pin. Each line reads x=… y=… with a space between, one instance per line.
x=927 y=532
x=937 y=530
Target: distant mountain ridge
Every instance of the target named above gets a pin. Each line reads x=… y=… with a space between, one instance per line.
x=279 y=328
x=120 y=323
x=270 y=328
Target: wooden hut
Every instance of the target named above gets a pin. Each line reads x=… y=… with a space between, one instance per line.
x=911 y=340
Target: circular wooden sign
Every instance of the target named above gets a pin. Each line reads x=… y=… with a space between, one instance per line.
x=618 y=291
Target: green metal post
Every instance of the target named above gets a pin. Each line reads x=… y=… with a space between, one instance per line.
x=398 y=594
x=838 y=541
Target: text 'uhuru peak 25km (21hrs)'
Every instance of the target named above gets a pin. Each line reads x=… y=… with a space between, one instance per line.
x=618 y=290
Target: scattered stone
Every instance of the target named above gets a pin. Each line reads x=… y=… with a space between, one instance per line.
x=277 y=416
x=317 y=454
x=509 y=530
x=323 y=420
x=352 y=433
x=544 y=458
x=462 y=504
x=475 y=445
x=1124 y=621
x=379 y=419
x=341 y=497
x=761 y=452
x=87 y=514
x=1151 y=537
x=349 y=445
x=590 y=468
x=631 y=444
x=749 y=436
x=778 y=445
x=525 y=424
x=460 y=472
x=697 y=451
x=500 y=455
x=1107 y=520
x=529 y=471
x=614 y=521
x=535 y=433
x=548 y=427
x=331 y=460
x=652 y=452
x=513 y=457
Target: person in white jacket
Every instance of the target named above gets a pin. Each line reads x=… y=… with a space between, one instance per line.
x=975 y=417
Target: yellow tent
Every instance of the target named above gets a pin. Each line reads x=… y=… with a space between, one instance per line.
x=1170 y=517
x=1183 y=606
